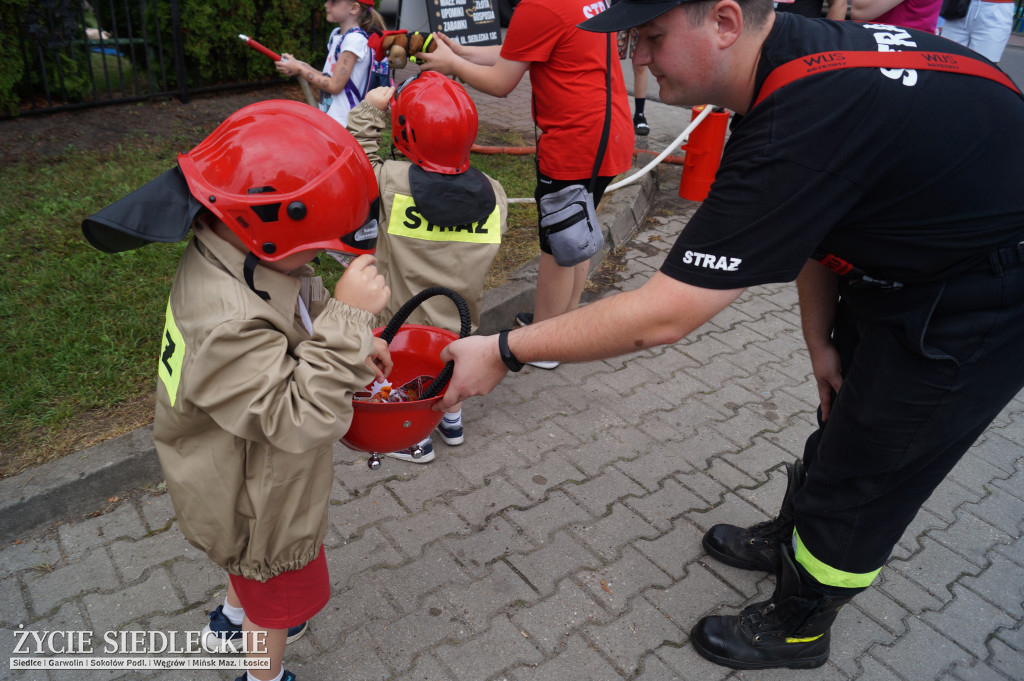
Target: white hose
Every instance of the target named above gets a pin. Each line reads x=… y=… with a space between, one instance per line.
x=676 y=143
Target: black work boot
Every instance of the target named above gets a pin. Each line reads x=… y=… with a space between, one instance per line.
x=789 y=630
x=757 y=547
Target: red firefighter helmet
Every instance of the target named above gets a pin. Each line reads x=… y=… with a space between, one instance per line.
x=434 y=123
x=285 y=177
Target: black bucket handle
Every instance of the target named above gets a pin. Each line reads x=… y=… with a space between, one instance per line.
x=388 y=334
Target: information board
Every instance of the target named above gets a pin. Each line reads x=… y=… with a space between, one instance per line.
x=469 y=22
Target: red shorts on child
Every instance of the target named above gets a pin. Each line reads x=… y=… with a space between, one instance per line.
x=287 y=600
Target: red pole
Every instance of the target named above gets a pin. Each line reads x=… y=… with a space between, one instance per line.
x=259 y=48
x=703 y=154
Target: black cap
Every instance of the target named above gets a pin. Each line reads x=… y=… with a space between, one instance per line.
x=161 y=210
x=627 y=14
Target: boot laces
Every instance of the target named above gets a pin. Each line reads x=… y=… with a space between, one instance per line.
x=772 y=531
x=756 y=614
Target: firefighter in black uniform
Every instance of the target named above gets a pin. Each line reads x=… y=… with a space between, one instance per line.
x=882 y=169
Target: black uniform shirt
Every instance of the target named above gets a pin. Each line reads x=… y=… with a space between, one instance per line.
x=909 y=175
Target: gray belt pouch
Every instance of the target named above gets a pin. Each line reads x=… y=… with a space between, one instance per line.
x=569 y=220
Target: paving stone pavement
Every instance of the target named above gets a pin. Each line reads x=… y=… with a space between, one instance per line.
x=562 y=541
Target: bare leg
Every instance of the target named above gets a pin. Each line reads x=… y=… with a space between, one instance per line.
x=579 y=273
x=556 y=289
x=273 y=648
x=639 y=81
x=232 y=599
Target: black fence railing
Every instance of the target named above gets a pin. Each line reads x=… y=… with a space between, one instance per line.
x=77 y=54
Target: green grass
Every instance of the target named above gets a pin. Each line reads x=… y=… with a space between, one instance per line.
x=517 y=177
x=113 y=73
x=80 y=328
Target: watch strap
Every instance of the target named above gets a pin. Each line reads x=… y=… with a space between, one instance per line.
x=507 y=357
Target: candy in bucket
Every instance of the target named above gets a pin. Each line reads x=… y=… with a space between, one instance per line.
x=385 y=426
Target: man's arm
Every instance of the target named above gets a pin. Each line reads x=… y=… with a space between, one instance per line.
x=661 y=311
x=497 y=78
x=485 y=55
x=818 y=289
x=866 y=10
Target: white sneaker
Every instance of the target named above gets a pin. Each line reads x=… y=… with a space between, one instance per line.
x=418 y=453
x=525 y=319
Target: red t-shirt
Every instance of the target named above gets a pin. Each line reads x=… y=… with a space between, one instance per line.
x=567 y=73
x=920 y=14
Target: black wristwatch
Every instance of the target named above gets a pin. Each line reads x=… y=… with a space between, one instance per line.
x=506 y=355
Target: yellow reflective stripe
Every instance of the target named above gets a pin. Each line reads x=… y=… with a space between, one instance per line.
x=828 y=575
x=803 y=640
x=405 y=220
x=172 y=354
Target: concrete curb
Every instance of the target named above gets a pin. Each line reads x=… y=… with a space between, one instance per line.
x=78 y=483
x=83 y=482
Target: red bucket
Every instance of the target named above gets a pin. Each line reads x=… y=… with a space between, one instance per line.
x=390 y=426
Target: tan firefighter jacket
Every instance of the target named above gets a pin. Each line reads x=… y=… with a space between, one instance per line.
x=414 y=253
x=249 y=404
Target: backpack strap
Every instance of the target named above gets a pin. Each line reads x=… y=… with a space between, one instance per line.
x=603 y=143
x=843 y=59
x=354 y=29
x=354 y=92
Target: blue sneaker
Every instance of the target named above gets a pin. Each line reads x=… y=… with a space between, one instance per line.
x=452 y=435
x=221 y=636
x=524 y=318
x=419 y=453
x=288 y=676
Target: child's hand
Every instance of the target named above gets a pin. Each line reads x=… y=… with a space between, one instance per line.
x=362 y=287
x=380 y=97
x=380 y=359
x=289 y=65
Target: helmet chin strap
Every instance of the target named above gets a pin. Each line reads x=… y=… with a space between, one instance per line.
x=249 y=269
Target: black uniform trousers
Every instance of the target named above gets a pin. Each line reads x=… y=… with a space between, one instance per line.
x=926 y=368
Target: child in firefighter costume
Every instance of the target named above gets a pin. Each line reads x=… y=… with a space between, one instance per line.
x=259 y=361
x=441 y=220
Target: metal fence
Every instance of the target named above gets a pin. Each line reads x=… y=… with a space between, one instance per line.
x=79 y=54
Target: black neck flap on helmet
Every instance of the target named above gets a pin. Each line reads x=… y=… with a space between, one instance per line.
x=161 y=210
x=449 y=200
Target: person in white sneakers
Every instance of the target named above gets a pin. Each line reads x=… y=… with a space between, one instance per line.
x=985 y=29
